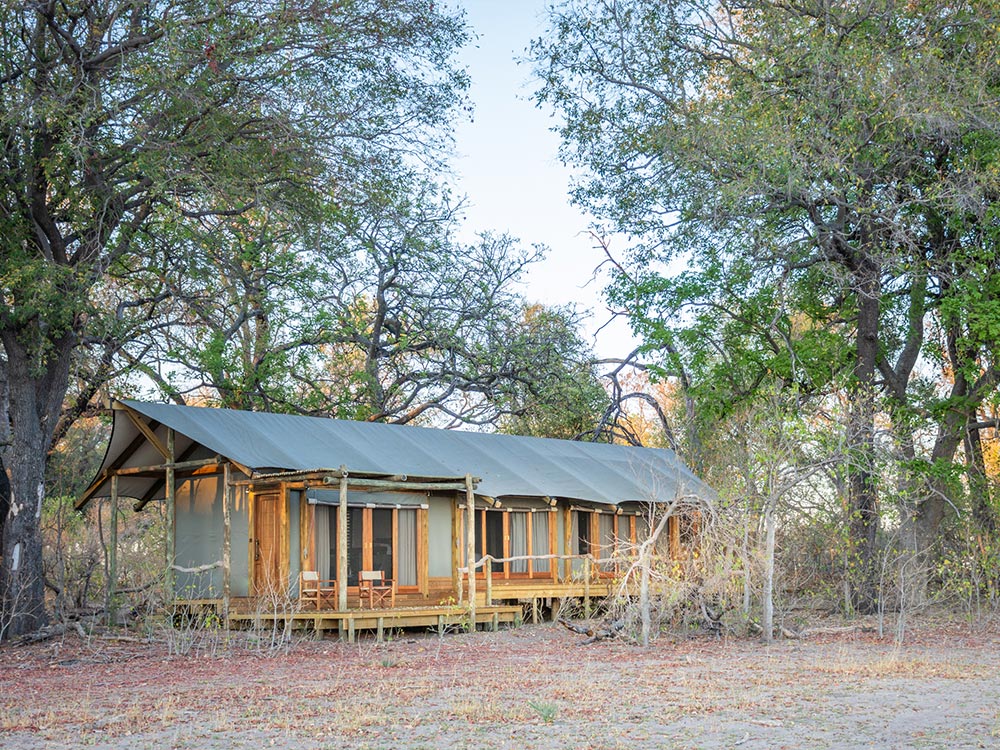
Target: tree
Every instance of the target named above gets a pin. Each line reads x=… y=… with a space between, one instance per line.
x=380 y=315
x=838 y=157
x=557 y=392
x=126 y=121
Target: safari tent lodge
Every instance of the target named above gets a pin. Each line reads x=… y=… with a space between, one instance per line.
x=364 y=525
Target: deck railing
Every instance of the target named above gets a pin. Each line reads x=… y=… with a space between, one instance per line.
x=486 y=563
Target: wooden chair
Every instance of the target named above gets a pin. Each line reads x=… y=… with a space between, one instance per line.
x=376 y=588
x=315 y=591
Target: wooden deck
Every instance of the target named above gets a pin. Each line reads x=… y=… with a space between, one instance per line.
x=442 y=617
x=498 y=600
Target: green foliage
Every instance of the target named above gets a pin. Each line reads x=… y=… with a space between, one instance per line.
x=151 y=148
x=826 y=176
x=546 y=711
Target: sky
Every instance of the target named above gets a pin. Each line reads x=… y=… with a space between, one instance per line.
x=507 y=165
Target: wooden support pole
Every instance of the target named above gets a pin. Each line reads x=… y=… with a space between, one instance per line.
x=456 y=547
x=489 y=580
x=171 y=524
x=227 y=541
x=342 y=549
x=567 y=543
x=470 y=546
x=112 y=582
x=586 y=586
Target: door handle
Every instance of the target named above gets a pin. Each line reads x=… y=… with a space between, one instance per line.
x=256 y=550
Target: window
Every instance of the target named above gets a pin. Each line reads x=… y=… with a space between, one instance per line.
x=602 y=535
x=514 y=533
x=377 y=539
x=677 y=538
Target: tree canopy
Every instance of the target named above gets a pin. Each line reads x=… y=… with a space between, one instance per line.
x=826 y=176
x=131 y=127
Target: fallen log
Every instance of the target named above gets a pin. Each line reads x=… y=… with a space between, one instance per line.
x=607 y=630
x=838 y=630
x=51 y=631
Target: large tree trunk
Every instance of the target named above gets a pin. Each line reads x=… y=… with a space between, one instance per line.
x=983 y=511
x=35 y=393
x=918 y=532
x=862 y=492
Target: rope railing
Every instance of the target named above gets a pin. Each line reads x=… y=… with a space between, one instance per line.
x=486 y=562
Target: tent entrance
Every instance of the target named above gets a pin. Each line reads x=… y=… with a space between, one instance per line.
x=267 y=546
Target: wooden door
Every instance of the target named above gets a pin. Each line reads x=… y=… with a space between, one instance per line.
x=267 y=544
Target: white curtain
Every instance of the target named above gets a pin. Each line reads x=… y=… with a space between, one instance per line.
x=406 y=548
x=518 y=541
x=606 y=526
x=322 y=528
x=540 y=540
x=575 y=546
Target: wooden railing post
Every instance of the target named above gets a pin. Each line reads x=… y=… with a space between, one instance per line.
x=488 y=566
x=470 y=547
x=342 y=544
x=586 y=585
x=112 y=582
x=170 y=491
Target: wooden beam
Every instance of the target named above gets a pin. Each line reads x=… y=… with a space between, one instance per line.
x=124 y=456
x=158 y=484
x=389 y=484
x=215 y=463
x=141 y=425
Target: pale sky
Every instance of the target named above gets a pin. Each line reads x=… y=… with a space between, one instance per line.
x=507 y=165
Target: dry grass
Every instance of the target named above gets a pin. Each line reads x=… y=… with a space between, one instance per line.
x=534 y=688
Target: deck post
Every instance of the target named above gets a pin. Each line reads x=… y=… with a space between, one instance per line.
x=567 y=543
x=489 y=580
x=227 y=540
x=456 y=546
x=342 y=546
x=586 y=586
x=112 y=582
x=171 y=530
x=470 y=547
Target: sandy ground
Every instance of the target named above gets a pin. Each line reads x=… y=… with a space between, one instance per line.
x=531 y=687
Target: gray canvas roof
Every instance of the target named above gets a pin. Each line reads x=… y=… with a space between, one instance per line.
x=508 y=465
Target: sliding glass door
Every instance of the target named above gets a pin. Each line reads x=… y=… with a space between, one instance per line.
x=377 y=539
x=517 y=534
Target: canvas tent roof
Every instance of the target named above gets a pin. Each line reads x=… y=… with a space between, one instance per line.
x=507 y=465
